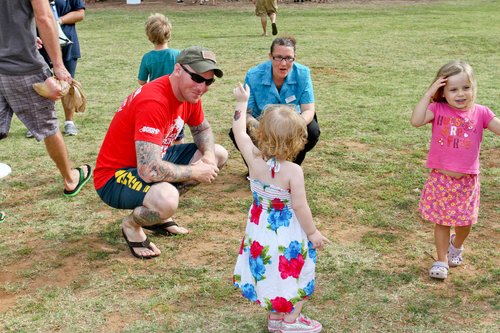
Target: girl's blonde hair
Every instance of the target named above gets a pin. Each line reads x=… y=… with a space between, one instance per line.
x=453 y=68
x=158 y=29
x=282 y=132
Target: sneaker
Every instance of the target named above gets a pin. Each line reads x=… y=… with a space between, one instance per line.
x=29 y=135
x=274 y=325
x=454 y=254
x=70 y=129
x=439 y=270
x=302 y=324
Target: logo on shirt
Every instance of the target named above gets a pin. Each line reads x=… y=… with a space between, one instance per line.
x=149 y=130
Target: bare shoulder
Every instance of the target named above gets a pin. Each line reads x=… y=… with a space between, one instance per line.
x=292 y=169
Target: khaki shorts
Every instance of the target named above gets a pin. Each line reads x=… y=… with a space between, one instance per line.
x=17 y=96
x=266 y=7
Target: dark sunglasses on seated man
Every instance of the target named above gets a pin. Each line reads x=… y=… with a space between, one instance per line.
x=198 y=78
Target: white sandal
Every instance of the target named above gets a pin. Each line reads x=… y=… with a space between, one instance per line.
x=454 y=254
x=439 y=270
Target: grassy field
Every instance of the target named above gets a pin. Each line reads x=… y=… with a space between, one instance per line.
x=64 y=266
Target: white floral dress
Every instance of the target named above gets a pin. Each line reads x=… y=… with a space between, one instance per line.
x=276 y=263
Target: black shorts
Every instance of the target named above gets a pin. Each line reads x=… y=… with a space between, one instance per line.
x=126 y=190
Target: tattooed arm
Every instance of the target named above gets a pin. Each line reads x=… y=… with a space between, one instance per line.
x=239 y=124
x=153 y=169
x=204 y=140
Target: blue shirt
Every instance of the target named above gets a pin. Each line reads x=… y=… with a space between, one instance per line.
x=297 y=88
x=63 y=7
x=157 y=63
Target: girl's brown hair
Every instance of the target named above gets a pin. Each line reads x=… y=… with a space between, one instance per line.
x=282 y=132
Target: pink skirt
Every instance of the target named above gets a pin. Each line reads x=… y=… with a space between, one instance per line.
x=450 y=201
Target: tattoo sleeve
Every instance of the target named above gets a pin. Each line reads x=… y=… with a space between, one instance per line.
x=153 y=169
x=203 y=137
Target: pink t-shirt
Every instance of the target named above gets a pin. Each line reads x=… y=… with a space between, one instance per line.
x=456 y=137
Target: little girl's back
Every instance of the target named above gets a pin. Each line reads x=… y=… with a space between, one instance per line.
x=262 y=170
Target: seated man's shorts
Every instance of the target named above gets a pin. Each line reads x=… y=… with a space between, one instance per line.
x=126 y=190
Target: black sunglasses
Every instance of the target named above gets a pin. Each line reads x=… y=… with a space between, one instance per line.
x=198 y=78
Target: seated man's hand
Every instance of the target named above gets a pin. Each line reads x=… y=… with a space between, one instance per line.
x=204 y=172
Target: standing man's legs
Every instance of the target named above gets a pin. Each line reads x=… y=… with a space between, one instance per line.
x=39 y=116
x=59 y=154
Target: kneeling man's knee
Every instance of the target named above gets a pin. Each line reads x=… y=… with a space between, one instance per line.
x=221 y=155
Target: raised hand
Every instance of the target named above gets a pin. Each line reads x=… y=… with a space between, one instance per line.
x=440 y=82
x=241 y=93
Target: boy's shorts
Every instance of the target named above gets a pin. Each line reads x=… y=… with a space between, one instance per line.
x=450 y=201
x=17 y=96
x=266 y=7
x=126 y=190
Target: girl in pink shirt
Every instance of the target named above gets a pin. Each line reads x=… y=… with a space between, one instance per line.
x=450 y=197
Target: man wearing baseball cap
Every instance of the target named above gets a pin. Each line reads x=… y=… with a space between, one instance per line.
x=138 y=168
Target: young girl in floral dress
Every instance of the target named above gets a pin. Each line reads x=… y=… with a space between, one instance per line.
x=450 y=197
x=276 y=263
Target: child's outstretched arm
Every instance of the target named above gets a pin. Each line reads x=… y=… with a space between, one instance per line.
x=302 y=210
x=243 y=140
x=494 y=125
x=421 y=115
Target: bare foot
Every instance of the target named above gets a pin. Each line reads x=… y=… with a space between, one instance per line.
x=175 y=229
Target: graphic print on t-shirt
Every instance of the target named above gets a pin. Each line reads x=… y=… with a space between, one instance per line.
x=171 y=134
x=455 y=131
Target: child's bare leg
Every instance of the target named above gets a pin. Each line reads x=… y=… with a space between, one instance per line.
x=275 y=315
x=292 y=316
x=442 y=239
x=461 y=234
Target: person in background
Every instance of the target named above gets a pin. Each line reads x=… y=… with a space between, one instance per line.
x=21 y=65
x=450 y=197
x=68 y=13
x=161 y=60
x=282 y=80
x=263 y=9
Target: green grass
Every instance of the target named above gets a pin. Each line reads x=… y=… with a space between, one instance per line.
x=64 y=266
